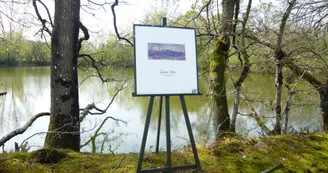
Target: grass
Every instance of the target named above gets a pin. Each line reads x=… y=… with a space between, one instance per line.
x=301 y=153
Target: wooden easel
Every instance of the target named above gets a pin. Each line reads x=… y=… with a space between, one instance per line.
x=169 y=167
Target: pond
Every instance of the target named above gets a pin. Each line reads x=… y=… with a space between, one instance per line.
x=28 y=93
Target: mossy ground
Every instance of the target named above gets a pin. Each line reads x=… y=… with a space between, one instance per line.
x=301 y=153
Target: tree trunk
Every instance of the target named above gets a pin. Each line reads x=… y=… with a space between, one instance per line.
x=244 y=71
x=220 y=112
x=64 y=126
x=288 y=103
x=279 y=56
x=221 y=118
x=323 y=93
x=278 y=84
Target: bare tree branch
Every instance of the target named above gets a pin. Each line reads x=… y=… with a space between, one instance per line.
x=258 y=119
x=43 y=21
x=3 y=93
x=115 y=24
x=94 y=65
x=21 y=130
x=48 y=13
x=83 y=114
x=96 y=134
x=119 y=164
x=86 y=36
x=198 y=14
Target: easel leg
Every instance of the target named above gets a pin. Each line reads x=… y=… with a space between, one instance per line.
x=168 y=134
x=144 y=138
x=191 y=137
x=159 y=123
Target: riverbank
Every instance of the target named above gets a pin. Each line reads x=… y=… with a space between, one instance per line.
x=299 y=153
x=25 y=64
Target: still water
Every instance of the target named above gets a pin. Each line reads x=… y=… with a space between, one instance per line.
x=28 y=93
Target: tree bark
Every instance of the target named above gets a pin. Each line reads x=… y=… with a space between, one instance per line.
x=227 y=16
x=323 y=94
x=279 y=56
x=64 y=80
x=288 y=103
x=244 y=71
x=221 y=118
x=220 y=112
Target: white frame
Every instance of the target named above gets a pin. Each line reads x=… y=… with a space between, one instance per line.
x=177 y=76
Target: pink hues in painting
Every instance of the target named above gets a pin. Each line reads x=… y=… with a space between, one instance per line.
x=160 y=51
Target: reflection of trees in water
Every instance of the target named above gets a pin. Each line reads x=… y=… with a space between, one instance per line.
x=202 y=127
x=25 y=84
x=2 y=111
x=258 y=89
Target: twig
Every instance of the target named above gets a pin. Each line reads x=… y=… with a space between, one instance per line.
x=279 y=165
x=3 y=93
x=153 y=164
x=22 y=129
x=257 y=118
x=201 y=10
x=39 y=133
x=43 y=21
x=115 y=25
x=86 y=36
x=48 y=13
x=119 y=164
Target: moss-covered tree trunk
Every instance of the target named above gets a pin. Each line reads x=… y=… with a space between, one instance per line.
x=64 y=128
x=218 y=65
x=220 y=114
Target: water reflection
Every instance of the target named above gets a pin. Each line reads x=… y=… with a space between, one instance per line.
x=29 y=93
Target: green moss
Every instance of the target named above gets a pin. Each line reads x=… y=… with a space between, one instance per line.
x=219 y=56
x=230 y=154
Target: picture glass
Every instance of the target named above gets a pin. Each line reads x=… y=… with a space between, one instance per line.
x=165 y=61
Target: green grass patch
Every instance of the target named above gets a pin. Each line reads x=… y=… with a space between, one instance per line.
x=302 y=153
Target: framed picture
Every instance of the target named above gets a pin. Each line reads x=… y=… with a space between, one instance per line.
x=165 y=61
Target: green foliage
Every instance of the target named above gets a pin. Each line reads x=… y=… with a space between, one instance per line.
x=16 y=50
x=116 y=53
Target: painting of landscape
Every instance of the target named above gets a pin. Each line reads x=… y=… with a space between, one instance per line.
x=160 y=51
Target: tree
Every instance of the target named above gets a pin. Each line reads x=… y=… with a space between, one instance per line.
x=279 y=57
x=218 y=67
x=65 y=116
x=64 y=126
x=301 y=47
x=245 y=66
